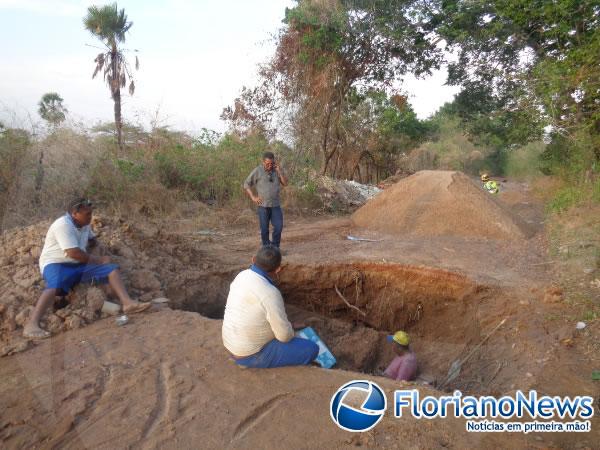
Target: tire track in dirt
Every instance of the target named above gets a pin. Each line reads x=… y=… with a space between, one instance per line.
x=163 y=401
x=254 y=417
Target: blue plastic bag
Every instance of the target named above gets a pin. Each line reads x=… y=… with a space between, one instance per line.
x=325 y=357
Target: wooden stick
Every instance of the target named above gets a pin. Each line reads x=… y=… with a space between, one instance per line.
x=450 y=376
x=346 y=301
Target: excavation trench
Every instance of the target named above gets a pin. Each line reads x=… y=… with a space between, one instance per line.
x=354 y=306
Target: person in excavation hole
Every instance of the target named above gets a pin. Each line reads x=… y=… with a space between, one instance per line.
x=404 y=366
x=256 y=330
x=65 y=262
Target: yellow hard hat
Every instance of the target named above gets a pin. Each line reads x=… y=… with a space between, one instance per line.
x=485 y=177
x=400 y=337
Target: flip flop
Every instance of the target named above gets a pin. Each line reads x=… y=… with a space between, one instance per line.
x=36 y=334
x=137 y=308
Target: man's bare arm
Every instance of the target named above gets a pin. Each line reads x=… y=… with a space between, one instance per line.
x=85 y=258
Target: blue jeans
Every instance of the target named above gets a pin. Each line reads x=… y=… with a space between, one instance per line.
x=275 y=216
x=297 y=352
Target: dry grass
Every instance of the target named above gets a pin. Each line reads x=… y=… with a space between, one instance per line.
x=38 y=176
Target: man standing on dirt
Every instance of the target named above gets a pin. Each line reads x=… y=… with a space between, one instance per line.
x=256 y=330
x=267 y=179
x=65 y=262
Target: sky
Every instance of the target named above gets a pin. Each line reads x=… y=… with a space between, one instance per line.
x=195 y=56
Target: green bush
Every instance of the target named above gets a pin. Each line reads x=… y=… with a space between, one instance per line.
x=565 y=198
x=569 y=157
x=524 y=162
x=451 y=149
x=596 y=191
x=572 y=159
x=210 y=172
x=131 y=170
x=573 y=194
x=179 y=167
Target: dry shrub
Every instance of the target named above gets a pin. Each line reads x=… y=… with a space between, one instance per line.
x=130 y=193
x=301 y=199
x=421 y=158
x=71 y=163
x=149 y=178
x=51 y=171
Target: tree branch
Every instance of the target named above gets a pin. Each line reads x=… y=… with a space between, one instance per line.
x=346 y=301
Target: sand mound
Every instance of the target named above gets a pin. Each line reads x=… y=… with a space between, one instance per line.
x=440 y=203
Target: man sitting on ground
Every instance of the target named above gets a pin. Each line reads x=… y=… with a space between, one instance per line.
x=65 y=262
x=256 y=330
x=404 y=366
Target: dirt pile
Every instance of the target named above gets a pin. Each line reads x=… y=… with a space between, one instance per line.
x=440 y=203
x=151 y=262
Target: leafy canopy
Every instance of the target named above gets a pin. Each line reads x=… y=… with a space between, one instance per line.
x=107 y=23
x=51 y=108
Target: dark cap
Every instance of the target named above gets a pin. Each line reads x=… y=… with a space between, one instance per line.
x=77 y=203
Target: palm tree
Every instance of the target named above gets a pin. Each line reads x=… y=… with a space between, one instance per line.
x=109 y=25
x=51 y=109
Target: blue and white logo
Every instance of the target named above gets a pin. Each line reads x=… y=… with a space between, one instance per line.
x=350 y=418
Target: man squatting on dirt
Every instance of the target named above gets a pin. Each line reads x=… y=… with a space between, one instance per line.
x=256 y=330
x=65 y=262
x=267 y=179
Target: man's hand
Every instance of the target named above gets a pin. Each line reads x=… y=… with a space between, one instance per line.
x=257 y=200
x=282 y=178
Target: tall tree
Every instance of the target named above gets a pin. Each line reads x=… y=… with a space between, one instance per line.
x=51 y=109
x=110 y=26
x=525 y=55
x=329 y=50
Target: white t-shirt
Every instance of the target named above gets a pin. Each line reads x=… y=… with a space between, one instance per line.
x=254 y=315
x=63 y=235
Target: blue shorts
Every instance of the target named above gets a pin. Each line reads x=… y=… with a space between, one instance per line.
x=63 y=276
x=296 y=352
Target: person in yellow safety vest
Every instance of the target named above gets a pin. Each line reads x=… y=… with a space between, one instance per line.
x=489 y=185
